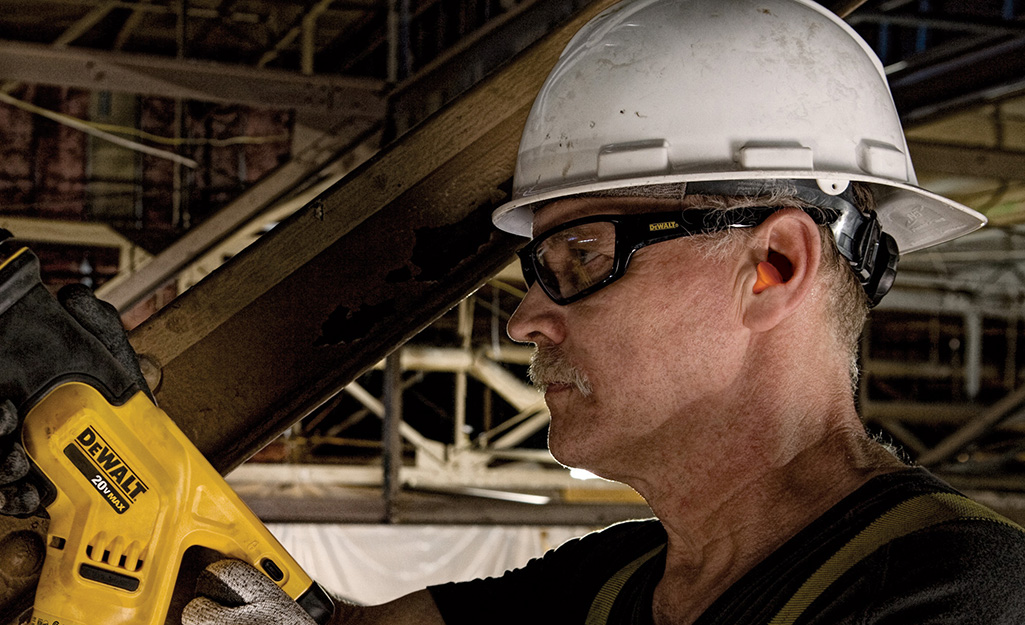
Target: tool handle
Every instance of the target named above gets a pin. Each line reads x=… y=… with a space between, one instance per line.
x=128 y=491
x=42 y=345
x=317 y=603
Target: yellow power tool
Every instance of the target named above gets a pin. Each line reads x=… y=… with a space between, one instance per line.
x=130 y=493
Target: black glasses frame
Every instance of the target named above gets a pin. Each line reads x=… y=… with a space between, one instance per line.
x=634 y=232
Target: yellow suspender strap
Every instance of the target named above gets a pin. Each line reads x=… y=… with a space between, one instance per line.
x=905 y=518
x=602 y=604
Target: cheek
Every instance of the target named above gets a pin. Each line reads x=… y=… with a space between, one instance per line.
x=670 y=316
x=684 y=337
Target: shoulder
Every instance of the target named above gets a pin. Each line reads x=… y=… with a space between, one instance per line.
x=924 y=555
x=978 y=562
x=562 y=582
x=601 y=553
x=964 y=572
x=629 y=537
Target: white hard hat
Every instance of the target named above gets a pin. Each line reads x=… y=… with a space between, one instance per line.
x=681 y=91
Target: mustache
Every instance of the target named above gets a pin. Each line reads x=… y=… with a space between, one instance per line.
x=550 y=366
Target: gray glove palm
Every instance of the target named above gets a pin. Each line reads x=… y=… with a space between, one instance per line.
x=232 y=592
x=19 y=496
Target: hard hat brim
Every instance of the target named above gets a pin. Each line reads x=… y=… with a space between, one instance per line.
x=914 y=217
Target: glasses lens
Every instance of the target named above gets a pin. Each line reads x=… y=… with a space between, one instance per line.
x=572 y=260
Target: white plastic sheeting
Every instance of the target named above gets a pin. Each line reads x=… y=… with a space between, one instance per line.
x=372 y=564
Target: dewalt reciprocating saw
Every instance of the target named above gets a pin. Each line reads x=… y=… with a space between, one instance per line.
x=129 y=493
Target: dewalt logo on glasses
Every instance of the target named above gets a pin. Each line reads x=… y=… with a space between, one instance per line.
x=665 y=225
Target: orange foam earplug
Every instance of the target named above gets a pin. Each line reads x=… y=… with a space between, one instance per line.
x=768 y=276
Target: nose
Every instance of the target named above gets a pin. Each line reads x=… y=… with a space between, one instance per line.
x=537 y=319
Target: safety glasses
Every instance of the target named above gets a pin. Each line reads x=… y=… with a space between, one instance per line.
x=579 y=257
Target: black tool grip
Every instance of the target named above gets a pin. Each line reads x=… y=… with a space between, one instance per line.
x=42 y=346
x=317 y=603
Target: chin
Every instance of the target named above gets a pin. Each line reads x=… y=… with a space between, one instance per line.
x=575 y=439
x=572 y=451
x=597 y=452
x=562 y=450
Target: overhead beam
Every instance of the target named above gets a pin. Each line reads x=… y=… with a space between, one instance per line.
x=73 y=233
x=94 y=70
x=1007 y=407
x=87 y=234
x=843 y=8
x=213 y=231
x=939 y=22
x=961 y=160
x=85 y=23
x=993 y=71
x=475 y=56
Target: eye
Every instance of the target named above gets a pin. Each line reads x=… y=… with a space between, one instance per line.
x=583 y=248
x=577 y=257
x=590 y=255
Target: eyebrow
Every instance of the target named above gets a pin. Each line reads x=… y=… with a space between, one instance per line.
x=582 y=212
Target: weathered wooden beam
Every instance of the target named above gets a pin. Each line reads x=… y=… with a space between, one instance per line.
x=332 y=290
x=329 y=292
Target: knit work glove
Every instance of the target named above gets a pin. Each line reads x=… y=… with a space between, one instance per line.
x=101 y=320
x=21 y=487
x=19 y=495
x=231 y=592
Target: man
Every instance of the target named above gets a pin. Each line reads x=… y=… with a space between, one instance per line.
x=716 y=192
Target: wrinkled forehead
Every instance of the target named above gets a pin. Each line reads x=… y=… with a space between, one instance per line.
x=560 y=211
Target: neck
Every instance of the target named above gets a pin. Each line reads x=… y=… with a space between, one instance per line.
x=771 y=479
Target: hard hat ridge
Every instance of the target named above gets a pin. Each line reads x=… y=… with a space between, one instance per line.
x=655 y=92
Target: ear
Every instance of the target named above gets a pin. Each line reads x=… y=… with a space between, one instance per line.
x=782 y=269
